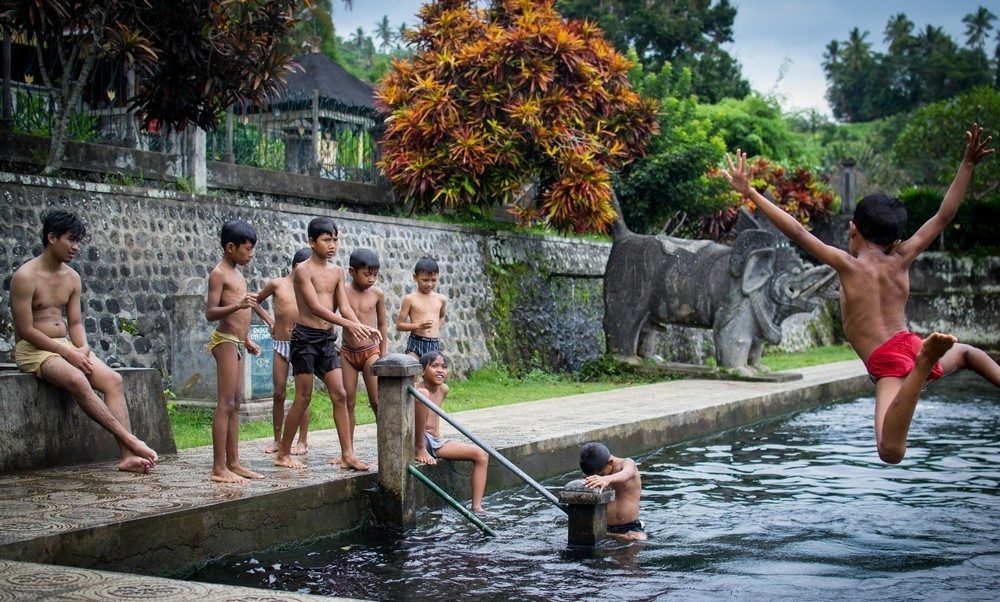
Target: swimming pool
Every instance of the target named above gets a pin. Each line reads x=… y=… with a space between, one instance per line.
x=795 y=508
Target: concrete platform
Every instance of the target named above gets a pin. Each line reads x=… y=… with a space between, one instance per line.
x=174 y=518
x=29 y=581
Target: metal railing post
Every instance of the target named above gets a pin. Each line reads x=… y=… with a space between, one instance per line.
x=228 y=157
x=395 y=506
x=314 y=159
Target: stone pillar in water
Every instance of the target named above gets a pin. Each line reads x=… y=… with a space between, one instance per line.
x=394 y=506
x=587 y=509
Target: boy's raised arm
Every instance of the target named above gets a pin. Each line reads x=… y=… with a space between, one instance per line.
x=975 y=150
x=263 y=294
x=738 y=176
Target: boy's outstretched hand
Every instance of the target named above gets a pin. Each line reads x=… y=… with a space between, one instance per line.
x=975 y=146
x=738 y=175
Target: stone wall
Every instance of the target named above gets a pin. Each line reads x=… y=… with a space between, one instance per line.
x=526 y=301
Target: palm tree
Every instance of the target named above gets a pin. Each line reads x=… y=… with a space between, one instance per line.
x=897 y=31
x=934 y=39
x=831 y=57
x=857 y=52
x=977 y=28
x=383 y=31
x=358 y=39
x=400 y=35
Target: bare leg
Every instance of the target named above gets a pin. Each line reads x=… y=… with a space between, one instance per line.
x=350 y=378
x=279 y=376
x=228 y=375
x=233 y=443
x=371 y=384
x=419 y=426
x=303 y=396
x=896 y=399
x=342 y=415
x=302 y=445
x=454 y=450
x=114 y=418
x=966 y=356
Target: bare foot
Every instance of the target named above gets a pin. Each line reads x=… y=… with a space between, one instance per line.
x=478 y=510
x=134 y=464
x=425 y=458
x=352 y=462
x=226 y=476
x=142 y=450
x=287 y=461
x=271 y=447
x=245 y=472
x=935 y=346
x=300 y=449
x=338 y=461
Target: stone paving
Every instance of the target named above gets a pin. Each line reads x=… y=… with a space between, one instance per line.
x=30 y=581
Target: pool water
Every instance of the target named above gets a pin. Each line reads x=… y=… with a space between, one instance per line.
x=795 y=508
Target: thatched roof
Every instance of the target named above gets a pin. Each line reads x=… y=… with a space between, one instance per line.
x=320 y=72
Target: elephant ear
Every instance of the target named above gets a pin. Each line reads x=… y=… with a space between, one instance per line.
x=746 y=243
x=758 y=270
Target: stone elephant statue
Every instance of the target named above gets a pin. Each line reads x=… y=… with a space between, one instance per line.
x=742 y=292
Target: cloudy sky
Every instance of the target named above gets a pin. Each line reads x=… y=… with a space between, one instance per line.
x=770 y=36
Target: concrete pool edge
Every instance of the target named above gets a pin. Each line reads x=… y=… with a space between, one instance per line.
x=654 y=416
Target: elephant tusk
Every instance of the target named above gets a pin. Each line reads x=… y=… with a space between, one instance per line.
x=818 y=284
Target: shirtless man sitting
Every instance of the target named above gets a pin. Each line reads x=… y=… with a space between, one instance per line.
x=40 y=292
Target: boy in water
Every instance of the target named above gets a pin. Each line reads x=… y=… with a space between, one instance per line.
x=319 y=294
x=875 y=285
x=229 y=304
x=285 y=314
x=368 y=303
x=56 y=350
x=422 y=315
x=433 y=387
x=621 y=474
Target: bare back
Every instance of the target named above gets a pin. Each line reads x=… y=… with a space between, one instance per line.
x=316 y=281
x=48 y=292
x=873 y=293
x=233 y=291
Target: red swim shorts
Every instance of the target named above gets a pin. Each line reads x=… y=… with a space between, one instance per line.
x=897 y=357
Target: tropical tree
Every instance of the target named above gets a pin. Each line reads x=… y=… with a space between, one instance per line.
x=383 y=31
x=977 y=28
x=687 y=33
x=497 y=99
x=898 y=32
x=192 y=58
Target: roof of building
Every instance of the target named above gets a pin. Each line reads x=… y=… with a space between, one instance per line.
x=320 y=72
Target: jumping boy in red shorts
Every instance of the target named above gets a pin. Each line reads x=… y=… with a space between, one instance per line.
x=874 y=288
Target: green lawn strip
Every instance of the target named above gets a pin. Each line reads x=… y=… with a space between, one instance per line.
x=813 y=356
x=193 y=428
x=485 y=388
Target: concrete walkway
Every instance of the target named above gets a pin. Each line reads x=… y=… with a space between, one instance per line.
x=93 y=516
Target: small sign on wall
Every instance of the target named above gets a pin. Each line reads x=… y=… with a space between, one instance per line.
x=257 y=380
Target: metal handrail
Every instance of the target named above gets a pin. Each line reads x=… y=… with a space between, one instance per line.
x=472 y=518
x=485 y=447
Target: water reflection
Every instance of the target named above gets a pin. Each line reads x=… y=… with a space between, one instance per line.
x=799 y=508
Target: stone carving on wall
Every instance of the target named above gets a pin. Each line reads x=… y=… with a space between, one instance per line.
x=742 y=292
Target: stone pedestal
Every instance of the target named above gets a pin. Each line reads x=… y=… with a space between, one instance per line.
x=193 y=368
x=395 y=505
x=588 y=512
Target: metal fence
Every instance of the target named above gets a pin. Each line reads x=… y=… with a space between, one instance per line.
x=297 y=133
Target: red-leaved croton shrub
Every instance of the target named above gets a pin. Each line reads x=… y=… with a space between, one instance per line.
x=796 y=191
x=495 y=99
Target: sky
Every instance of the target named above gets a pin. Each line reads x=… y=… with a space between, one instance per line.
x=779 y=43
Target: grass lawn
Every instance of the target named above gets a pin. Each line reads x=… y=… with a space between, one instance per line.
x=486 y=387
x=810 y=357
